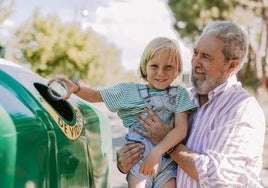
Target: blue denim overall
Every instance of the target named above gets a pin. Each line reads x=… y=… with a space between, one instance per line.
x=163 y=106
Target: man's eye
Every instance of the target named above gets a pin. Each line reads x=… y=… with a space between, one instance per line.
x=206 y=57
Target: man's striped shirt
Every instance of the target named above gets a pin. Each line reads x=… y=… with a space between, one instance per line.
x=228 y=132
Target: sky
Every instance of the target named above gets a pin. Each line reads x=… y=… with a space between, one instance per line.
x=129 y=24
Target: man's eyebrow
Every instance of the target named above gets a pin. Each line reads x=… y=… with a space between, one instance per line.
x=206 y=54
x=203 y=53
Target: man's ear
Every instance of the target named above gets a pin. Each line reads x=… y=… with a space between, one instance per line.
x=233 y=65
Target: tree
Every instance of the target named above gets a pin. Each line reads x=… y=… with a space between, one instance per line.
x=191 y=16
x=5 y=9
x=52 y=47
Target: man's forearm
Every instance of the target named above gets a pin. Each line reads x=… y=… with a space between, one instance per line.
x=185 y=158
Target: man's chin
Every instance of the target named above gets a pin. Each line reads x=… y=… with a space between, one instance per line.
x=199 y=87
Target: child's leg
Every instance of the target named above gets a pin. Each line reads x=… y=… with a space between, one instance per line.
x=171 y=183
x=134 y=182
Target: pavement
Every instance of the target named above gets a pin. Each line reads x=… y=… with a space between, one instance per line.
x=118 y=180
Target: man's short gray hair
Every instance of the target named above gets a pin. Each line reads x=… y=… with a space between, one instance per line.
x=235 y=40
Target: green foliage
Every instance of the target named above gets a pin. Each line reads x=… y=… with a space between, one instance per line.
x=5 y=9
x=52 y=47
x=192 y=15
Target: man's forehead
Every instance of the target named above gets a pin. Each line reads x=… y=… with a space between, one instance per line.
x=209 y=44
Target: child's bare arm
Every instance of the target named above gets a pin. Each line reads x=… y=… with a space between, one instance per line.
x=89 y=94
x=175 y=136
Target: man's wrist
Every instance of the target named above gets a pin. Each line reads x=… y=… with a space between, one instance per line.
x=166 y=155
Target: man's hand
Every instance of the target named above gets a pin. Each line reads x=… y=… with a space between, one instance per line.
x=156 y=130
x=129 y=155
